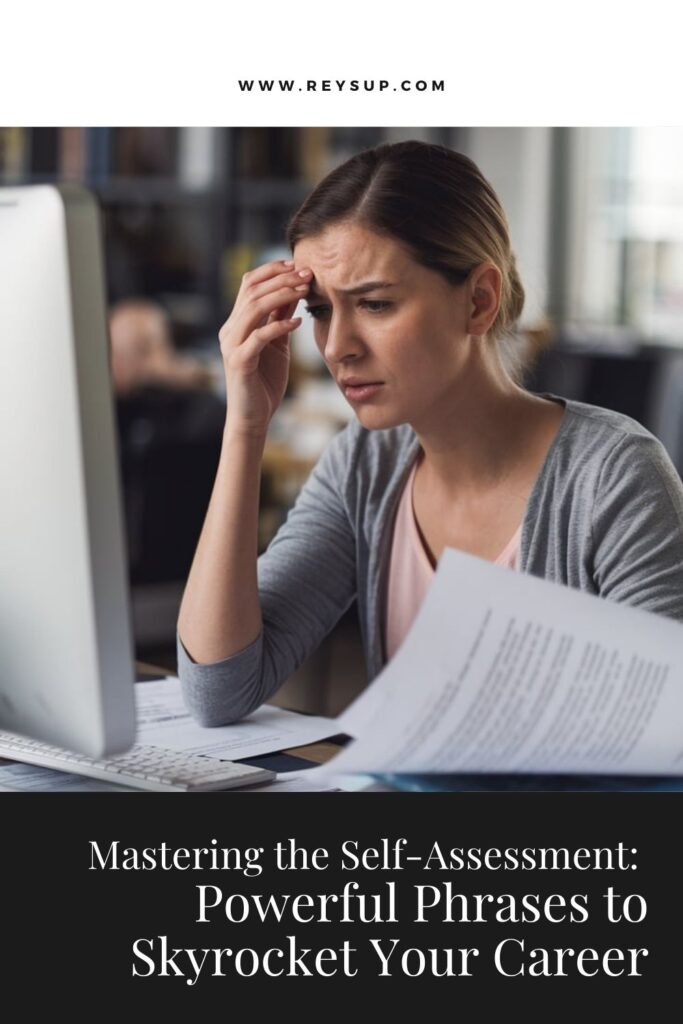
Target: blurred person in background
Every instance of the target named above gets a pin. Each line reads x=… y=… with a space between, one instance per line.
x=404 y=258
x=143 y=353
x=170 y=426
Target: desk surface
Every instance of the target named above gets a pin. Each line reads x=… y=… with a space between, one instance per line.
x=318 y=753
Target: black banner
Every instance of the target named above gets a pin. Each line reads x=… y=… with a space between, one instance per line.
x=302 y=897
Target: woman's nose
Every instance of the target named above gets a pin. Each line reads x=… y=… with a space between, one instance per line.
x=341 y=341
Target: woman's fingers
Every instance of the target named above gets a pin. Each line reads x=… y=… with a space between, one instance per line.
x=265 y=271
x=249 y=316
x=268 y=293
x=254 y=314
x=284 y=312
x=297 y=279
x=245 y=356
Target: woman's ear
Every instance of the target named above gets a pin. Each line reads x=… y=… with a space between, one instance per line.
x=484 y=298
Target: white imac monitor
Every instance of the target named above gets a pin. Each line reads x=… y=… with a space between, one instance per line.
x=66 y=652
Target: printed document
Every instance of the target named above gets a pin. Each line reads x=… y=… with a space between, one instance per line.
x=164 y=721
x=504 y=672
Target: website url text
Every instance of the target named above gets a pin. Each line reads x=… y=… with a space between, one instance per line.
x=337 y=85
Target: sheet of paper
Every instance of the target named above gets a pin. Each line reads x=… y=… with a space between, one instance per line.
x=306 y=781
x=164 y=721
x=318 y=779
x=503 y=672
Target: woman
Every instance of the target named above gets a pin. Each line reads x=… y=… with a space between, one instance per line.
x=404 y=258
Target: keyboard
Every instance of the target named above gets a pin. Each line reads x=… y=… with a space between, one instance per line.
x=142 y=767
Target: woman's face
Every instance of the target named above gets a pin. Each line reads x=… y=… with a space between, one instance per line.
x=392 y=332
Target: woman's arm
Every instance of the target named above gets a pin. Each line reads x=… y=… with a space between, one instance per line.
x=220 y=613
x=638 y=528
x=243 y=629
x=306 y=581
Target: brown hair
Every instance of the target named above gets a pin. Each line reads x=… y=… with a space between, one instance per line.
x=433 y=200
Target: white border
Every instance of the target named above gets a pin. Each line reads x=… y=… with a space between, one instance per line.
x=151 y=62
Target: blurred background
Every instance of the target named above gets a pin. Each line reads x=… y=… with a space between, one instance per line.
x=596 y=217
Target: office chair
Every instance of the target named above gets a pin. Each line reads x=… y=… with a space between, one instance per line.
x=169 y=445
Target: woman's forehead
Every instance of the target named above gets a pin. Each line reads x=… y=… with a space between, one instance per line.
x=350 y=252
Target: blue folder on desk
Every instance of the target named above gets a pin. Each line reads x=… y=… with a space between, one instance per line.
x=534 y=783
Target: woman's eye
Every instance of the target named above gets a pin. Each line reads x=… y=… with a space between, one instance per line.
x=317 y=312
x=321 y=312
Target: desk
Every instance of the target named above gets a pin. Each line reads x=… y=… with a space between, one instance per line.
x=321 y=752
x=317 y=753
x=287 y=760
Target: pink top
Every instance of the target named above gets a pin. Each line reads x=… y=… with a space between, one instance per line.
x=411 y=572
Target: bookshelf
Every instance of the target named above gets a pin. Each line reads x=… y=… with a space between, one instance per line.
x=186 y=211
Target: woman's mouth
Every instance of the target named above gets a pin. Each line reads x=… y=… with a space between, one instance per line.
x=361 y=391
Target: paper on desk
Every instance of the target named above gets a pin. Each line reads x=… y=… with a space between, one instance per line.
x=305 y=781
x=504 y=672
x=315 y=780
x=163 y=720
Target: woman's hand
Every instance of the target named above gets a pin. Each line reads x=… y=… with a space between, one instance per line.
x=255 y=343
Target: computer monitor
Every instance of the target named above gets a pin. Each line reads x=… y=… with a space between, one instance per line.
x=66 y=652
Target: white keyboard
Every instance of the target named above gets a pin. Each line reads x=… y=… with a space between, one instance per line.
x=143 y=767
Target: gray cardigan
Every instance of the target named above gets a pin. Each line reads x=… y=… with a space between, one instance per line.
x=605 y=515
